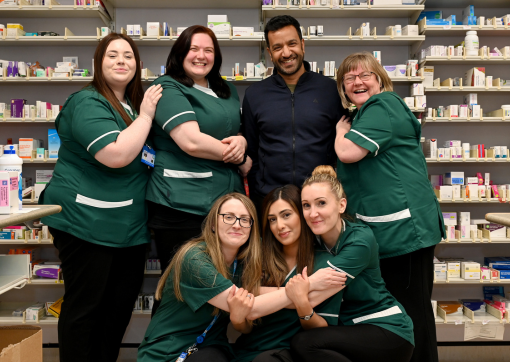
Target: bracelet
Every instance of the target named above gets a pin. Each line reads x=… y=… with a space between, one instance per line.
x=244 y=160
x=146 y=117
x=307 y=317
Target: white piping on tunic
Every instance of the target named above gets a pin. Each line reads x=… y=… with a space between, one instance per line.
x=177 y=115
x=328 y=315
x=362 y=135
x=288 y=275
x=207 y=90
x=404 y=214
x=339 y=270
x=186 y=174
x=381 y=314
x=101 y=204
x=97 y=139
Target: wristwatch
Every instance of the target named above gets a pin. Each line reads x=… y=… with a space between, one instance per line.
x=244 y=160
x=307 y=317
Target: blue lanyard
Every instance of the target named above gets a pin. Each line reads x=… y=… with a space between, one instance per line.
x=201 y=337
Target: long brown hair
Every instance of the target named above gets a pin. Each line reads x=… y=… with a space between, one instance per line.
x=273 y=264
x=134 y=90
x=249 y=255
x=180 y=49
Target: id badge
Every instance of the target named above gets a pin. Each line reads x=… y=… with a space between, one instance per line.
x=148 y=155
x=182 y=357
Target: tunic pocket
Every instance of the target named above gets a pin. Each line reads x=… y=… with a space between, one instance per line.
x=189 y=190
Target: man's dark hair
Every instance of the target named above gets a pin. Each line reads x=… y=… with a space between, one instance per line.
x=279 y=22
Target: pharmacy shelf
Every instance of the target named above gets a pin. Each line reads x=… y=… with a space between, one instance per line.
x=49 y=40
x=236 y=41
x=359 y=40
x=349 y=11
x=44 y=281
x=474 y=201
x=188 y=4
x=55 y=11
x=23 y=242
x=459 y=60
x=45 y=80
x=464 y=3
x=406 y=79
x=152 y=272
x=38 y=212
x=27 y=120
x=475 y=242
x=485 y=318
x=48 y=160
x=474 y=281
x=460 y=30
x=467 y=89
x=465 y=120
x=469 y=160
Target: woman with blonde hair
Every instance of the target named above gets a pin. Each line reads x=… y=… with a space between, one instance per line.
x=199 y=285
x=383 y=170
x=371 y=325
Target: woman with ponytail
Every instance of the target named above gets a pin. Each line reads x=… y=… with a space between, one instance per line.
x=371 y=325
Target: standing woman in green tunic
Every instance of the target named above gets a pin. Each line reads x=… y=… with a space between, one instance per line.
x=100 y=182
x=195 y=137
x=287 y=249
x=370 y=325
x=383 y=170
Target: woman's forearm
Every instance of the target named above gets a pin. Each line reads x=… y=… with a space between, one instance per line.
x=243 y=327
x=268 y=304
x=128 y=145
x=304 y=308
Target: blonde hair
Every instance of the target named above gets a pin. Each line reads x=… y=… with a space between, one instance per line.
x=326 y=174
x=368 y=62
x=249 y=254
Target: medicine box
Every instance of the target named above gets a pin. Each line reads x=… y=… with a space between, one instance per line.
x=445 y=192
x=452 y=308
x=453 y=269
x=242 y=31
x=470 y=270
x=454 y=178
x=410 y=30
x=154 y=29
x=475 y=77
x=440 y=270
x=464 y=218
x=53 y=143
x=27 y=145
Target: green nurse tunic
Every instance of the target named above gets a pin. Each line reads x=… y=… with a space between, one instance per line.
x=365 y=299
x=389 y=189
x=100 y=204
x=181 y=181
x=176 y=324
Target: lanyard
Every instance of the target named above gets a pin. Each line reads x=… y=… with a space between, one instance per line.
x=201 y=337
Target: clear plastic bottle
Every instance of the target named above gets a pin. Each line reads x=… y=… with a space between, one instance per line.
x=471 y=43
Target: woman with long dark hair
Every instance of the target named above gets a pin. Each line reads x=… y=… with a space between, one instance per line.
x=287 y=250
x=100 y=182
x=196 y=142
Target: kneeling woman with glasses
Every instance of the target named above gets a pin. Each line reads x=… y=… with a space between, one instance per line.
x=198 y=287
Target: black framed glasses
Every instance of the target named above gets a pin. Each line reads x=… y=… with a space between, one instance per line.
x=245 y=221
x=348 y=79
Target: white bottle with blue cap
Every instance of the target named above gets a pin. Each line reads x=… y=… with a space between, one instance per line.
x=10 y=161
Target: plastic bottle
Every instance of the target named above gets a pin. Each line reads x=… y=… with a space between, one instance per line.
x=471 y=43
x=10 y=161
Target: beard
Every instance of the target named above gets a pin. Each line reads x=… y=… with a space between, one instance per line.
x=287 y=71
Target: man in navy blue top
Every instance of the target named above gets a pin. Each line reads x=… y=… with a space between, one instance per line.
x=289 y=119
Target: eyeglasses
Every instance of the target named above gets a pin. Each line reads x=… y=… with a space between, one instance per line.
x=348 y=79
x=245 y=222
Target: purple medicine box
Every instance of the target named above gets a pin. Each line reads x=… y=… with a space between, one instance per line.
x=12 y=69
x=17 y=107
x=49 y=272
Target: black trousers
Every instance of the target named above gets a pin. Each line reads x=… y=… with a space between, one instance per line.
x=358 y=343
x=274 y=355
x=209 y=354
x=410 y=278
x=169 y=239
x=101 y=286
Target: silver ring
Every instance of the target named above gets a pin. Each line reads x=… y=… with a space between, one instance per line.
x=249 y=296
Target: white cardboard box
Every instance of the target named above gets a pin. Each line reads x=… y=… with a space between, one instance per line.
x=410 y=30
x=154 y=29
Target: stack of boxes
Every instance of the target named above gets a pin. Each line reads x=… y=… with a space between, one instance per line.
x=219 y=25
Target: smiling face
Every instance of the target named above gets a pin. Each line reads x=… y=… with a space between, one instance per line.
x=284 y=222
x=360 y=91
x=200 y=58
x=119 y=63
x=286 y=50
x=233 y=236
x=322 y=210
